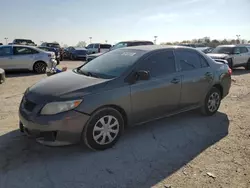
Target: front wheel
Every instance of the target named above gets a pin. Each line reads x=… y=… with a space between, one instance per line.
x=212 y=102
x=103 y=129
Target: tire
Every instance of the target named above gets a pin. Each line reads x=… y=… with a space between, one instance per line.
x=92 y=133
x=40 y=67
x=214 y=97
x=230 y=63
x=248 y=65
x=72 y=57
x=21 y=128
x=57 y=61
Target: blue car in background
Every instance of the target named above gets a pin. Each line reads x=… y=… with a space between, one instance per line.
x=51 y=49
x=74 y=53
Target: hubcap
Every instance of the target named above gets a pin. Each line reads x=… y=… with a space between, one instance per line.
x=105 y=130
x=40 y=67
x=213 y=102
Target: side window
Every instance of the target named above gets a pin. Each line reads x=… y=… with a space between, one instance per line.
x=204 y=63
x=188 y=60
x=5 y=51
x=243 y=50
x=159 y=64
x=96 y=46
x=90 y=46
x=23 y=51
x=236 y=50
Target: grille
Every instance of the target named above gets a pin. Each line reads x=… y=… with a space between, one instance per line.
x=28 y=105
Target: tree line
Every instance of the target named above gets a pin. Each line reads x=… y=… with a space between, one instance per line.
x=210 y=43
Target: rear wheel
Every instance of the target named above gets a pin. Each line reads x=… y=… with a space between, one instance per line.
x=247 y=67
x=230 y=63
x=103 y=129
x=40 y=67
x=212 y=102
x=72 y=57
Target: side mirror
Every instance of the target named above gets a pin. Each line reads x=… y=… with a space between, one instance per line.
x=142 y=75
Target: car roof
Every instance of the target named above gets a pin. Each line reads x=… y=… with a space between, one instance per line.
x=135 y=41
x=80 y=48
x=234 y=45
x=19 y=45
x=156 y=47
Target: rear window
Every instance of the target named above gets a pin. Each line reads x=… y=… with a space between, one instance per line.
x=105 y=46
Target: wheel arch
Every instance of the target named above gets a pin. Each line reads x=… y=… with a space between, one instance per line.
x=220 y=88
x=37 y=61
x=116 y=107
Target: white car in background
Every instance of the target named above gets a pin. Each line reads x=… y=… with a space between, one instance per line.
x=26 y=57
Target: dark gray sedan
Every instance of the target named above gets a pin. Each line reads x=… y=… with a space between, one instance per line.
x=95 y=102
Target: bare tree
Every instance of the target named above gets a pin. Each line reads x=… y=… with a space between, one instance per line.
x=81 y=44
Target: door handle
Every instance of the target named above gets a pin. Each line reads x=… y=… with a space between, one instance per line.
x=175 y=80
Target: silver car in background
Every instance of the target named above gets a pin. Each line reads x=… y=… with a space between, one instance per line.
x=14 y=57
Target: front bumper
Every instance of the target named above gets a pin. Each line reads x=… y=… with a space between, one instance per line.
x=54 y=130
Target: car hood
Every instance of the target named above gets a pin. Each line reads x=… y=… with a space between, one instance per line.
x=65 y=85
x=217 y=56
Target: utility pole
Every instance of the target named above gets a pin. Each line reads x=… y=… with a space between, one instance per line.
x=90 y=38
x=155 y=39
x=6 y=40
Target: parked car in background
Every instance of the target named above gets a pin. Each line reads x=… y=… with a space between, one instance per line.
x=123 y=87
x=51 y=49
x=75 y=53
x=24 y=42
x=56 y=46
x=235 y=55
x=26 y=57
x=98 y=48
x=1 y=44
x=121 y=45
x=193 y=45
x=205 y=49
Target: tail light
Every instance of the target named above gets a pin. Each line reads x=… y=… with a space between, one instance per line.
x=229 y=71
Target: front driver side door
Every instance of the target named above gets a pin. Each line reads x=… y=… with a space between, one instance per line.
x=160 y=94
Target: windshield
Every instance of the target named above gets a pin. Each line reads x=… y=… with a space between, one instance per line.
x=112 y=64
x=53 y=45
x=223 y=50
x=119 y=45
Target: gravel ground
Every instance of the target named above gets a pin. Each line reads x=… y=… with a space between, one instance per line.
x=187 y=150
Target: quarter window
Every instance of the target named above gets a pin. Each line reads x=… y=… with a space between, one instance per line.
x=160 y=64
x=188 y=60
x=5 y=51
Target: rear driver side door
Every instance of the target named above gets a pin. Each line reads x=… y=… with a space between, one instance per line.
x=160 y=94
x=197 y=77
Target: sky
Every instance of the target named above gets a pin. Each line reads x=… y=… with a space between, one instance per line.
x=71 y=21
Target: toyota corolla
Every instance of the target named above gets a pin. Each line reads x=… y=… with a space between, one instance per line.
x=128 y=86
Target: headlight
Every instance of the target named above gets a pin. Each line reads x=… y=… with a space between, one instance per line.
x=57 y=107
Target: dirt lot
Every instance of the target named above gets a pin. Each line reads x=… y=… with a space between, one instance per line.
x=187 y=150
